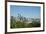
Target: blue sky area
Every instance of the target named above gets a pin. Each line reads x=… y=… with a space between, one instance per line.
x=26 y=11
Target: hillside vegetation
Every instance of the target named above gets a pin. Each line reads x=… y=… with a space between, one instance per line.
x=20 y=22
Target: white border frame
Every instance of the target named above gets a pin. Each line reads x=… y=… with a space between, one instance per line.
x=23 y=29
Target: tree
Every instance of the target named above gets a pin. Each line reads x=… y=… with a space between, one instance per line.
x=12 y=22
x=35 y=23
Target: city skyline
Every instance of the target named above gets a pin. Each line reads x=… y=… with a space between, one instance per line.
x=26 y=11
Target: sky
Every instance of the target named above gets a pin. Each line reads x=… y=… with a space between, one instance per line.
x=26 y=11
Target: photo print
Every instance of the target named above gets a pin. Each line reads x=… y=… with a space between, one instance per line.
x=25 y=16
